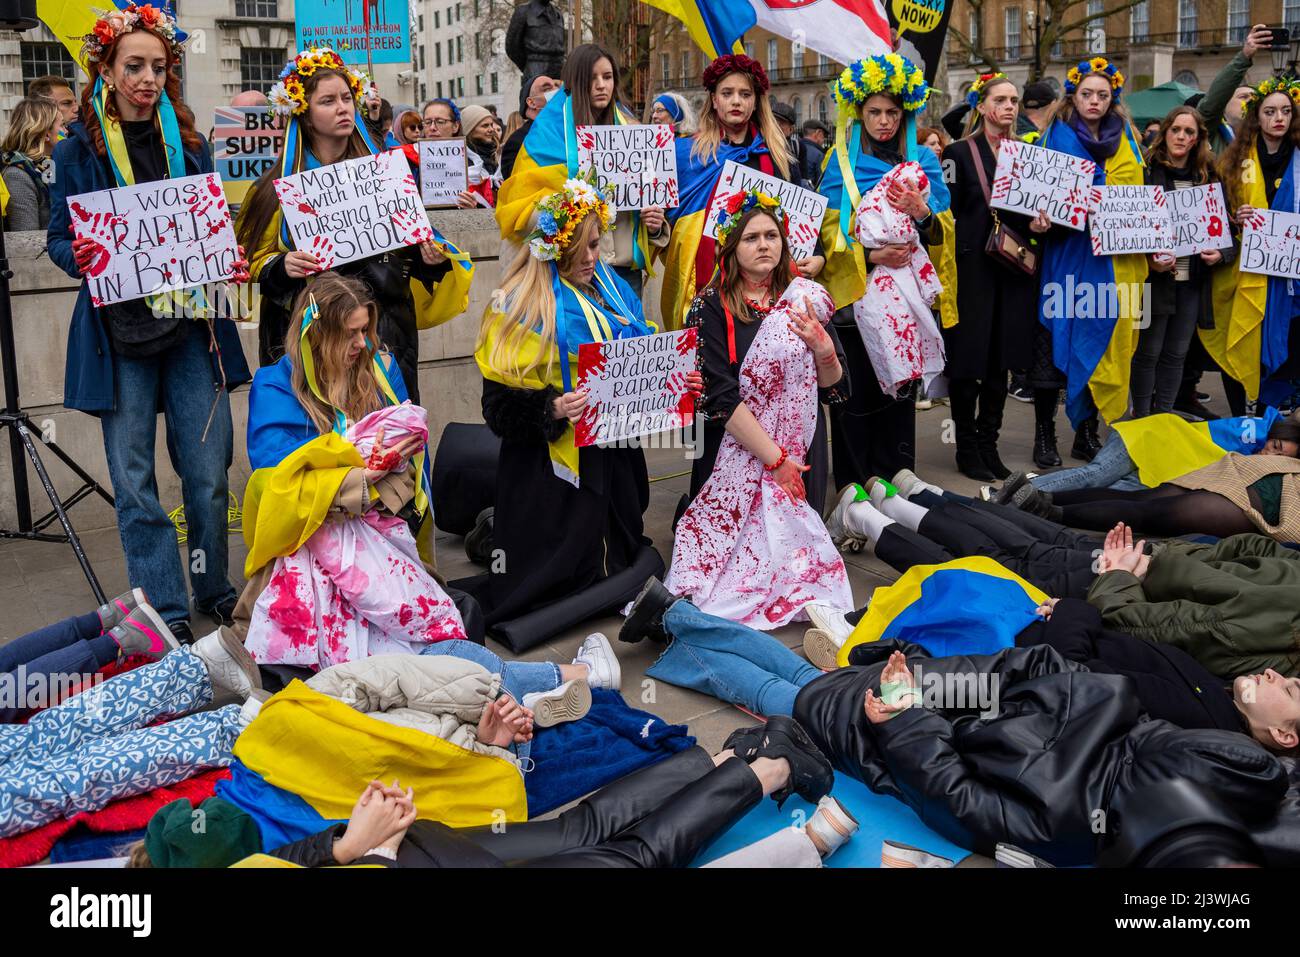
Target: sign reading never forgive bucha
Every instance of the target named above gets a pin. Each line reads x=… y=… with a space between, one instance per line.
x=1270 y=244
x=635 y=386
x=1129 y=219
x=1030 y=179
x=354 y=209
x=636 y=166
x=155 y=237
x=805 y=208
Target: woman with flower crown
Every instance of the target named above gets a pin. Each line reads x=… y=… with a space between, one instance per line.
x=566 y=518
x=130 y=360
x=1090 y=353
x=874 y=432
x=415 y=288
x=1256 y=337
x=751 y=546
x=993 y=330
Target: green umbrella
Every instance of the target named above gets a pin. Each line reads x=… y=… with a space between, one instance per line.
x=1154 y=103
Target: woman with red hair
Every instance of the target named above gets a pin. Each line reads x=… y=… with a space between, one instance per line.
x=130 y=360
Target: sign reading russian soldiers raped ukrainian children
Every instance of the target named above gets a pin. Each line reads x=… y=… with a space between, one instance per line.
x=1030 y=179
x=1200 y=217
x=155 y=237
x=444 y=171
x=354 y=209
x=636 y=166
x=805 y=208
x=246 y=142
x=1129 y=219
x=1270 y=244
x=634 y=386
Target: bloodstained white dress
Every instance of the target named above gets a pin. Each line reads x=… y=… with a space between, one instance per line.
x=745 y=550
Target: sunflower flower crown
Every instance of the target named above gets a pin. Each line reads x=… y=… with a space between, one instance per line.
x=559 y=214
x=289 y=96
x=1274 y=84
x=884 y=73
x=976 y=91
x=114 y=23
x=739 y=204
x=1098 y=65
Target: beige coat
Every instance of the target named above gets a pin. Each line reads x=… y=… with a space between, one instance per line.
x=1233 y=474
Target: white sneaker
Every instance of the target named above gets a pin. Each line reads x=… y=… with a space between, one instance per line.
x=829 y=619
x=837 y=521
x=251 y=707
x=832 y=824
x=822 y=649
x=603 y=670
x=569 y=702
x=231 y=669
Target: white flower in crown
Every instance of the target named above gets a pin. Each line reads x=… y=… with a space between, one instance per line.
x=279 y=99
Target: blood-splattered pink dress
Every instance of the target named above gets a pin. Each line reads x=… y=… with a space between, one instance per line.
x=745 y=550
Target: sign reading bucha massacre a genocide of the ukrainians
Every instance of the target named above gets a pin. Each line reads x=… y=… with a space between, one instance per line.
x=1030 y=179
x=155 y=237
x=1129 y=219
x=1270 y=244
x=636 y=166
x=805 y=208
x=354 y=209
x=1200 y=218
x=444 y=172
x=246 y=142
x=635 y=386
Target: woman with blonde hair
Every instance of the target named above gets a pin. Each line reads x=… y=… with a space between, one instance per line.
x=34 y=127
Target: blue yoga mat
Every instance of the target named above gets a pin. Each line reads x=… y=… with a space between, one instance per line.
x=880 y=818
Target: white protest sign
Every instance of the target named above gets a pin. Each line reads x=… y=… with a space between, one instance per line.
x=444 y=171
x=155 y=237
x=636 y=166
x=805 y=208
x=1200 y=218
x=1129 y=219
x=1270 y=244
x=635 y=386
x=354 y=209
x=1031 y=178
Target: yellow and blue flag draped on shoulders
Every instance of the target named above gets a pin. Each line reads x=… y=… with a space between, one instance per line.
x=1094 y=350
x=1253 y=312
x=578 y=319
x=305 y=759
x=851 y=173
x=968 y=606
x=1165 y=447
x=716 y=26
x=548 y=157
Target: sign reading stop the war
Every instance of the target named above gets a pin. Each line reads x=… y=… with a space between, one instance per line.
x=805 y=208
x=1200 y=218
x=635 y=386
x=1032 y=179
x=636 y=166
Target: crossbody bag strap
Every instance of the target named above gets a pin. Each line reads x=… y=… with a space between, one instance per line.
x=983 y=178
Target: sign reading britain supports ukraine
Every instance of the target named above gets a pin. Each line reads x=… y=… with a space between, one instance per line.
x=356 y=28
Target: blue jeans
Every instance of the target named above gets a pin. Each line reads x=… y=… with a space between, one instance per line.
x=74 y=646
x=1112 y=468
x=179 y=381
x=518 y=678
x=730 y=661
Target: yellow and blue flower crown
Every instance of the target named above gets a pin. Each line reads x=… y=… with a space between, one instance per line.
x=976 y=91
x=560 y=213
x=289 y=96
x=884 y=73
x=1098 y=65
x=1274 y=84
x=739 y=204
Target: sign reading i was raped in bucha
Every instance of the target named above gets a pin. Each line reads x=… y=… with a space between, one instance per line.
x=1270 y=244
x=1129 y=219
x=636 y=166
x=634 y=386
x=354 y=209
x=805 y=208
x=1200 y=217
x=1030 y=179
x=155 y=237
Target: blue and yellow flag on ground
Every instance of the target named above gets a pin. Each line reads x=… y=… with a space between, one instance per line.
x=968 y=606
x=1093 y=344
x=716 y=26
x=1165 y=447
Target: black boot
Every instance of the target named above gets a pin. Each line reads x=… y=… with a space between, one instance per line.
x=1045 y=454
x=961 y=398
x=646 y=617
x=1086 y=444
x=811 y=775
x=478 y=543
x=988 y=425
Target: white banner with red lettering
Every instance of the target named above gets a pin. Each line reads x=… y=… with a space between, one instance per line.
x=635 y=386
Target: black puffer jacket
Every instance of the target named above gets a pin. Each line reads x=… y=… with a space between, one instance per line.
x=1043 y=772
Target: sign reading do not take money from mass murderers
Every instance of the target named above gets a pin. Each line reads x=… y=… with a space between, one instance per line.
x=155 y=237
x=1030 y=179
x=1270 y=244
x=805 y=208
x=636 y=166
x=354 y=209
x=1129 y=219
x=635 y=386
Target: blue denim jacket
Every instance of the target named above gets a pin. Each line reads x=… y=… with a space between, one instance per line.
x=88 y=378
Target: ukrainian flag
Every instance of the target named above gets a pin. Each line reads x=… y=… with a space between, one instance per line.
x=306 y=758
x=1165 y=447
x=716 y=26
x=969 y=606
x=1094 y=351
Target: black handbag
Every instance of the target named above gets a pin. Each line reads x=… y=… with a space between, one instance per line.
x=1004 y=243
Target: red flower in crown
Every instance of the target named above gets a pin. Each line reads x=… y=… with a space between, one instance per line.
x=149 y=15
x=103 y=32
x=735 y=202
x=735 y=63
